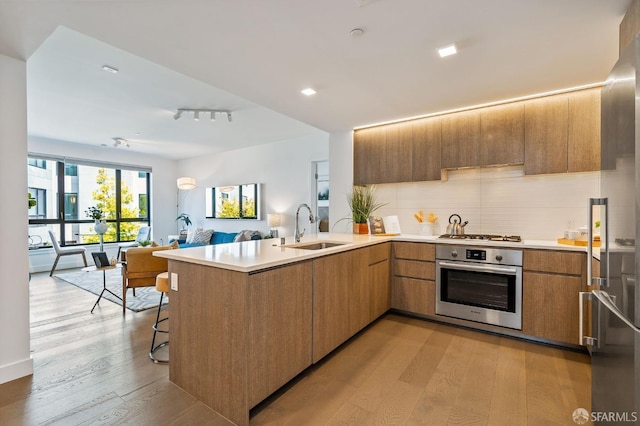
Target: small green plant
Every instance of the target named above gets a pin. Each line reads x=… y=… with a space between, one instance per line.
x=362 y=203
x=185 y=218
x=144 y=243
x=32 y=201
x=95 y=213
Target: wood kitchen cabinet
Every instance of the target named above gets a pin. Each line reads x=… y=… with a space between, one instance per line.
x=280 y=317
x=350 y=290
x=545 y=135
x=552 y=281
x=413 y=282
x=379 y=279
x=426 y=147
x=583 y=149
x=461 y=139
x=369 y=160
x=562 y=133
x=399 y=152
x=502 y=134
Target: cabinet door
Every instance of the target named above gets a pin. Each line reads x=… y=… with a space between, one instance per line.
x=461 y=139
x=369 y=155
x=502 y=135
x=584 y=131
x=550 y=306
x=397 y=154
x=545 y=135
x=359 y=291
x=379 y=280
x=415 y=296
x=426 y=147
x=279 y=327
x=332 y=276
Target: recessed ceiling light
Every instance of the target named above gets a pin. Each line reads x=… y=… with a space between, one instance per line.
x=110 y=69
x=356 y=32
x=308 y=91
x=447 y=50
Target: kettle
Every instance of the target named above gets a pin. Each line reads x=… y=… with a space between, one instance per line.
x=456 y=227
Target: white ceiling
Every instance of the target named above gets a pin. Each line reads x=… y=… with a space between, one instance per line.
x=254 y=56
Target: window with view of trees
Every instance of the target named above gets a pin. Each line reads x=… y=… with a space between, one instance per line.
x=65 y=190
x=233 y=202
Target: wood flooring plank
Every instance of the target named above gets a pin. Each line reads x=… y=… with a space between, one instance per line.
x=508 y=402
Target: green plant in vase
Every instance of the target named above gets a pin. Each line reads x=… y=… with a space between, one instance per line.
x=362 y=203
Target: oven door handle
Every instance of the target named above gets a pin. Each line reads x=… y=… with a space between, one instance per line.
x=468 y=267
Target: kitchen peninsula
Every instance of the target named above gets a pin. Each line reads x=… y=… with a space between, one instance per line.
x=248 y=317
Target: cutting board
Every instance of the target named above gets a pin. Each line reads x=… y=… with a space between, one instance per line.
x=576 y=242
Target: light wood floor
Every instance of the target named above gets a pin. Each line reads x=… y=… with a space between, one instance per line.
x=94 y=369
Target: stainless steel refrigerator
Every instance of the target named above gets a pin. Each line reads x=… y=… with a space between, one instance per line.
x=613 y=306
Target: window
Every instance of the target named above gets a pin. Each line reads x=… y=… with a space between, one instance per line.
x=37 y=162
x=70 y=170
x=71 y=205
x=233 y=202
x=65 y=190
x=40 y=195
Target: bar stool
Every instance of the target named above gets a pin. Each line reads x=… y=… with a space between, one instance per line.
x=162 y=285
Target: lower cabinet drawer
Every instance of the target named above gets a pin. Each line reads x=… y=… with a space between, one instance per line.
x=415 y=296
x=414 y=269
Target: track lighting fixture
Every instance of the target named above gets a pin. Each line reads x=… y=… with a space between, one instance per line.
x=196 y=113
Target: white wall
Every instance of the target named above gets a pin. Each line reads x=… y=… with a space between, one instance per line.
x=283 y=169
x=163 y=192
x=15 y=358
x=341 y=175
x=493 y=200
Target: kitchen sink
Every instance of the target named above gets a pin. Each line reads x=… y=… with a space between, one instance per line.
x=316 y=245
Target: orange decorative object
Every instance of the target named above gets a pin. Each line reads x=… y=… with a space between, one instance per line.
x=360 y=228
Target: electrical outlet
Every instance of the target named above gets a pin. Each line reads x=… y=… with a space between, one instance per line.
x=174 y=281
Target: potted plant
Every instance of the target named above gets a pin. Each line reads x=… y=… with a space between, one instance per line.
x=32 y=201
x=97 y=214
x=362 y=204
x=186 y=221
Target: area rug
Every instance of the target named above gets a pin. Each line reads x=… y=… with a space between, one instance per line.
x=145 y=298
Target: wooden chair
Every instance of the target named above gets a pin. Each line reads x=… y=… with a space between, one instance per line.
x=140 y=269
x=65 y=251
x=144 y=233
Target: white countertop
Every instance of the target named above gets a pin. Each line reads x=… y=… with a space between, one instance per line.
x=250 y=256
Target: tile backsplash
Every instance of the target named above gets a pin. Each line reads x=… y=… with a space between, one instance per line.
x=500 y=200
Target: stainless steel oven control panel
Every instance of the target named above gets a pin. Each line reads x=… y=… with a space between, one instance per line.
x=499 y=256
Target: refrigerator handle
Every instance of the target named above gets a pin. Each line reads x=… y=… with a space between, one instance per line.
x=584 y=340
x=590 y=279
x=605 y=299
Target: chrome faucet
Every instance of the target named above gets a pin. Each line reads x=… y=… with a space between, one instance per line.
x=299 y=234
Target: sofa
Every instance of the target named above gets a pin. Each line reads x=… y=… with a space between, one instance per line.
x=218 y=237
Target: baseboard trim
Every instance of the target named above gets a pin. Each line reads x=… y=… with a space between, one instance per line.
x=16 y=370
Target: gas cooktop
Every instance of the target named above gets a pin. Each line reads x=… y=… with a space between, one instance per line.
x=484 y=237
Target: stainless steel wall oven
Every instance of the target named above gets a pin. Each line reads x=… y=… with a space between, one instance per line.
x=480 y=284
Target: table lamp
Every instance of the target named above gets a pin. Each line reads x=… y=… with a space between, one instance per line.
x=274 y=220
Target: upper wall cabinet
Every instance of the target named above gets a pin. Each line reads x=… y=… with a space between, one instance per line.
x=461 y=139
x=562 y=133
x=553 y=134
x=368 y=155
x=401 y=152
x=583 y=147
x=502 y=134
x=426 y=145
x=545 y=135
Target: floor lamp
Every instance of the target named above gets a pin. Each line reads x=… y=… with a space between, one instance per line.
x=186 y=184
